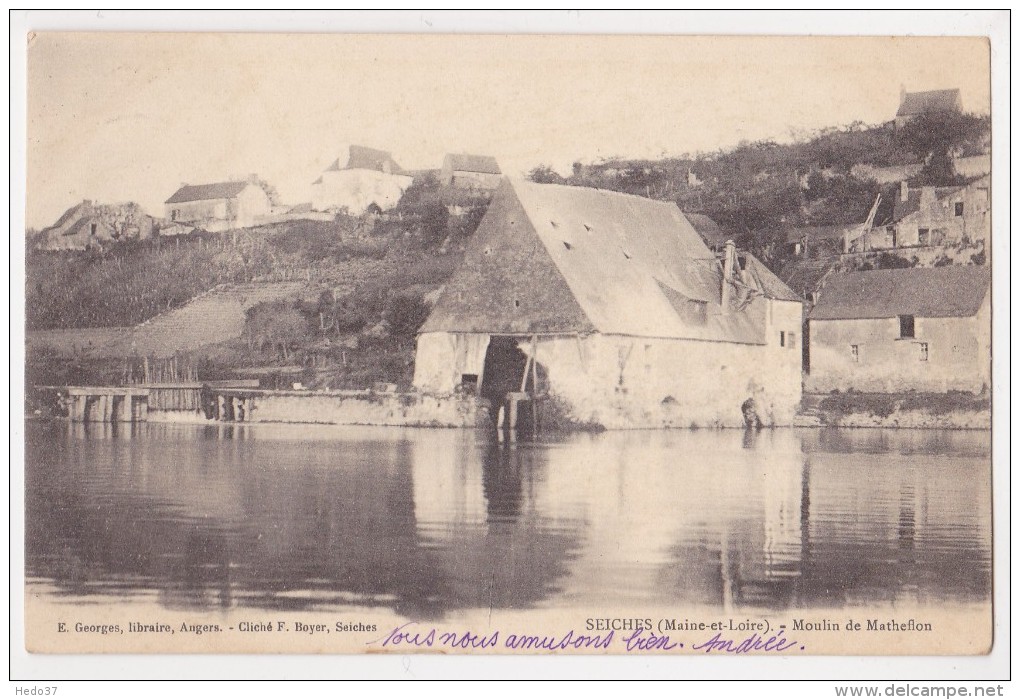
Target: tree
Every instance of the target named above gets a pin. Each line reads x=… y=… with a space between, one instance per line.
x=934 y=137
x=434 y=218
x=406 y=313
x=277 y=324
x=544 y=174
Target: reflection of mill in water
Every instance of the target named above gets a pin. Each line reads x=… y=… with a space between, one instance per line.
x=770 y=576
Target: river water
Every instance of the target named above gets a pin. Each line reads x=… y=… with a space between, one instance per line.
x=429 y=522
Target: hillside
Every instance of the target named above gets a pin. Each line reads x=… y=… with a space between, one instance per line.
x=340 y=301
x=343 y=298
x=757 y=191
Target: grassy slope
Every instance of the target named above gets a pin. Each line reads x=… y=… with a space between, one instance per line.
x=364 y=279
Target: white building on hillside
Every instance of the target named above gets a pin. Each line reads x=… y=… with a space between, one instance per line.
x=368 y=177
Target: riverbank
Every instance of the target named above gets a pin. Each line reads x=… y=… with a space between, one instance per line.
x=212 y=405
x=954 y=410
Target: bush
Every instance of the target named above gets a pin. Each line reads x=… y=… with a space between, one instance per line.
x=406 y=313
x=434 y=218
x=278 y=324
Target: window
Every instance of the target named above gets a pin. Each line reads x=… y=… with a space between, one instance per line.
x=906 y=326
x=923 y=349
x=469 y=382
x=791 y=340
x=959 y=208
x=855 y=353
x=517 y=303
x=922 y=236
x=782 y=339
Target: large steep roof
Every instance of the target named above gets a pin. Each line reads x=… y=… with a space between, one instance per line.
x=629 y=265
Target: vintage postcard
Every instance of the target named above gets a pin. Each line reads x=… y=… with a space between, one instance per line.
x=493 y=344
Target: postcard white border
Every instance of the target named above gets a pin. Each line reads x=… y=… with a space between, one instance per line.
x=993 y=24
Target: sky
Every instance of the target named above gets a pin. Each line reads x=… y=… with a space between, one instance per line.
x=121 y=117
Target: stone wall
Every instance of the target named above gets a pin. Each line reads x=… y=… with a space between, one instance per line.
x=366 y=408
x=958 y=355
x=622 y=382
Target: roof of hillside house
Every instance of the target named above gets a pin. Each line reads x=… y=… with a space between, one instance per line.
x=914 y=103
x=466 y=162
x=707 y=228
x=555 y=258
x=199 y=193
x=806 y=276
x=929 y=292
x=364 y=158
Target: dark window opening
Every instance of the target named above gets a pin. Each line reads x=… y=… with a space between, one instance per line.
x=782 y=339
x=855 y=353
x=906 y=326
x=791 y=340
x=469 y=382
x=517 y=303
x=924 y=352
x=959 y=208
x=922 y=236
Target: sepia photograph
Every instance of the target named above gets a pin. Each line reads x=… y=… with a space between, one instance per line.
x=509 y=344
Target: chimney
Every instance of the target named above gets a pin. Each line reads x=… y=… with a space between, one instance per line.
x=904 y=191
x=730 y=253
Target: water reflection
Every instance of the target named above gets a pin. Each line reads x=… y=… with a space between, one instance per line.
x=426 y=521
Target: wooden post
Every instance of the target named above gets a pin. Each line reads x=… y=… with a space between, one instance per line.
x=511 y=420
x=534 y=386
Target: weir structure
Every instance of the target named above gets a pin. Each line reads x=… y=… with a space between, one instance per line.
x=107 y=404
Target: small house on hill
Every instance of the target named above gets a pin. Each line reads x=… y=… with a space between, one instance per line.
x=368 y=176
x=630 y=320
x=921 y=329
x=472 y=172
x=219 y=206
x=89 y=225
x=914 y=104
x=936 y=216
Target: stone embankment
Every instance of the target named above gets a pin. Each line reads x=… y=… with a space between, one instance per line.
x=949 y=411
